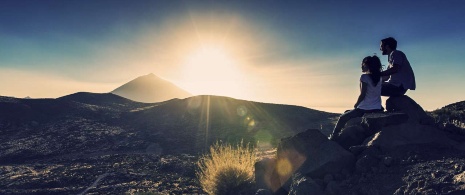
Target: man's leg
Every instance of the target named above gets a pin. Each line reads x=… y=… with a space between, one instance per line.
x=388 y=89
x=343 y=120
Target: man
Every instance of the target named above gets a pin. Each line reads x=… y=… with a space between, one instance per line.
x=399 y=75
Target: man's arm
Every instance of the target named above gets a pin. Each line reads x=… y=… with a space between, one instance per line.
x=394 y=69
x=384 y=78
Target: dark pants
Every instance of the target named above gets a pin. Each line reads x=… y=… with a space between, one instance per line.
x=388 y=89
x=344 y=118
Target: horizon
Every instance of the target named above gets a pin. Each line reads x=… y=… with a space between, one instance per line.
x=295 y=53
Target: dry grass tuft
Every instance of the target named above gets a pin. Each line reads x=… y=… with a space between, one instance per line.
x=227 y=169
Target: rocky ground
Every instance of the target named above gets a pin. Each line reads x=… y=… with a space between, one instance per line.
x=407 y=170
x=105 y=174
x=417 y=169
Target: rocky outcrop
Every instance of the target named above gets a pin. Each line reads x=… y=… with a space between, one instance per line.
x=308 y=163
x=405 y=123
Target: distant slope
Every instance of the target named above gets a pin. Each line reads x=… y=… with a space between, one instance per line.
x=149 y=89
x=103 y=100
x=192 y=123
x=86 y=123
x=451 y=112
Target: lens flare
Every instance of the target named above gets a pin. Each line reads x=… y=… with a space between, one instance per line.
x=283 y=167
x=241 y=111
x=251 y=125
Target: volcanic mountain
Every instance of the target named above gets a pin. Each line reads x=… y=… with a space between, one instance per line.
x=150 y=88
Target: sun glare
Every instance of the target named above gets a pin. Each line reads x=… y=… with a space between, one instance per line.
x=209 y=70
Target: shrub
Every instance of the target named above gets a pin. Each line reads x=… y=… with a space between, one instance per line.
x=227 y=170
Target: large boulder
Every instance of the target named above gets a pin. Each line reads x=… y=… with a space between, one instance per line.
x=266 y=176
x=351 y=136
x=407 y=105
x=309 y=153
x=374 y=122
x=354 y=134
x=409 y=134
x=320 y=156
x=330 y=159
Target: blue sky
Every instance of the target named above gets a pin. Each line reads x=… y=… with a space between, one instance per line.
x=291 y=52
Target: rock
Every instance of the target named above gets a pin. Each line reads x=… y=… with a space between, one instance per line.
x=263 y=192
x=387 y=161
x=351 y=136
x=409 y=134
x=372 y=151
x=407 y=105
x=331 y=158
x=288 y=162
x=154 y=148
x=461 y=146
x=333 y=188
x=356 y=150
x=304 y=185
x=354 y=122
x=338 y=177
x=459 y=178
x=345 y=173
x=373 y=122
x=365 y=163
x=265 y=174
x=321 y=155
x=328 y=178
x=400 y=191
x=306 y=142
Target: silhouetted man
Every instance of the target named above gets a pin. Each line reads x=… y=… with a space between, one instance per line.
x=399 y=75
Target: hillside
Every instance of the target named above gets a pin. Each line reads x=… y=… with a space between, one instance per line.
x=106 y=144
x=450 y=113
x=84 y=123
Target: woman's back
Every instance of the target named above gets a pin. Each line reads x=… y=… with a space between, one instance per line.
x=372 y=98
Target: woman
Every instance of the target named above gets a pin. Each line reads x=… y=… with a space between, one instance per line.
x=369 y=99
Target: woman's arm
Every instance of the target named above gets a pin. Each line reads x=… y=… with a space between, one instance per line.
x=363 y=92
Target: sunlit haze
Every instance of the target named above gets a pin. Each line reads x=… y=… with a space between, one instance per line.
x=305 y=53
x=210 y=70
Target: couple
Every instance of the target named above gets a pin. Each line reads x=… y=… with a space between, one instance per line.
x=374 y=83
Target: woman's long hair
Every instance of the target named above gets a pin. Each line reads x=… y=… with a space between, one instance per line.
x=374 y=66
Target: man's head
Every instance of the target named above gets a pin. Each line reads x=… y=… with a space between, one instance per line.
x=387 y=45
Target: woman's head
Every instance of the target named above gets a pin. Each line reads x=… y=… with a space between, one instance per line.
x=372 y=65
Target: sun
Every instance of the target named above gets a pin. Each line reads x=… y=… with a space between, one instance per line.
x=210 y=70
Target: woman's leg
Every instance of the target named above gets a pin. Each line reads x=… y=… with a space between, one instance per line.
x=343 y=120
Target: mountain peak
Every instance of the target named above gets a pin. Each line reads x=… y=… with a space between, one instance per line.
x=151 y=75
x=150 y=88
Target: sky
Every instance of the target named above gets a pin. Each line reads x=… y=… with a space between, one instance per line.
x=305 y=53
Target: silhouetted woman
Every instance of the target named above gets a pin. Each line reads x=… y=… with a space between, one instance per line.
x=369 y=99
